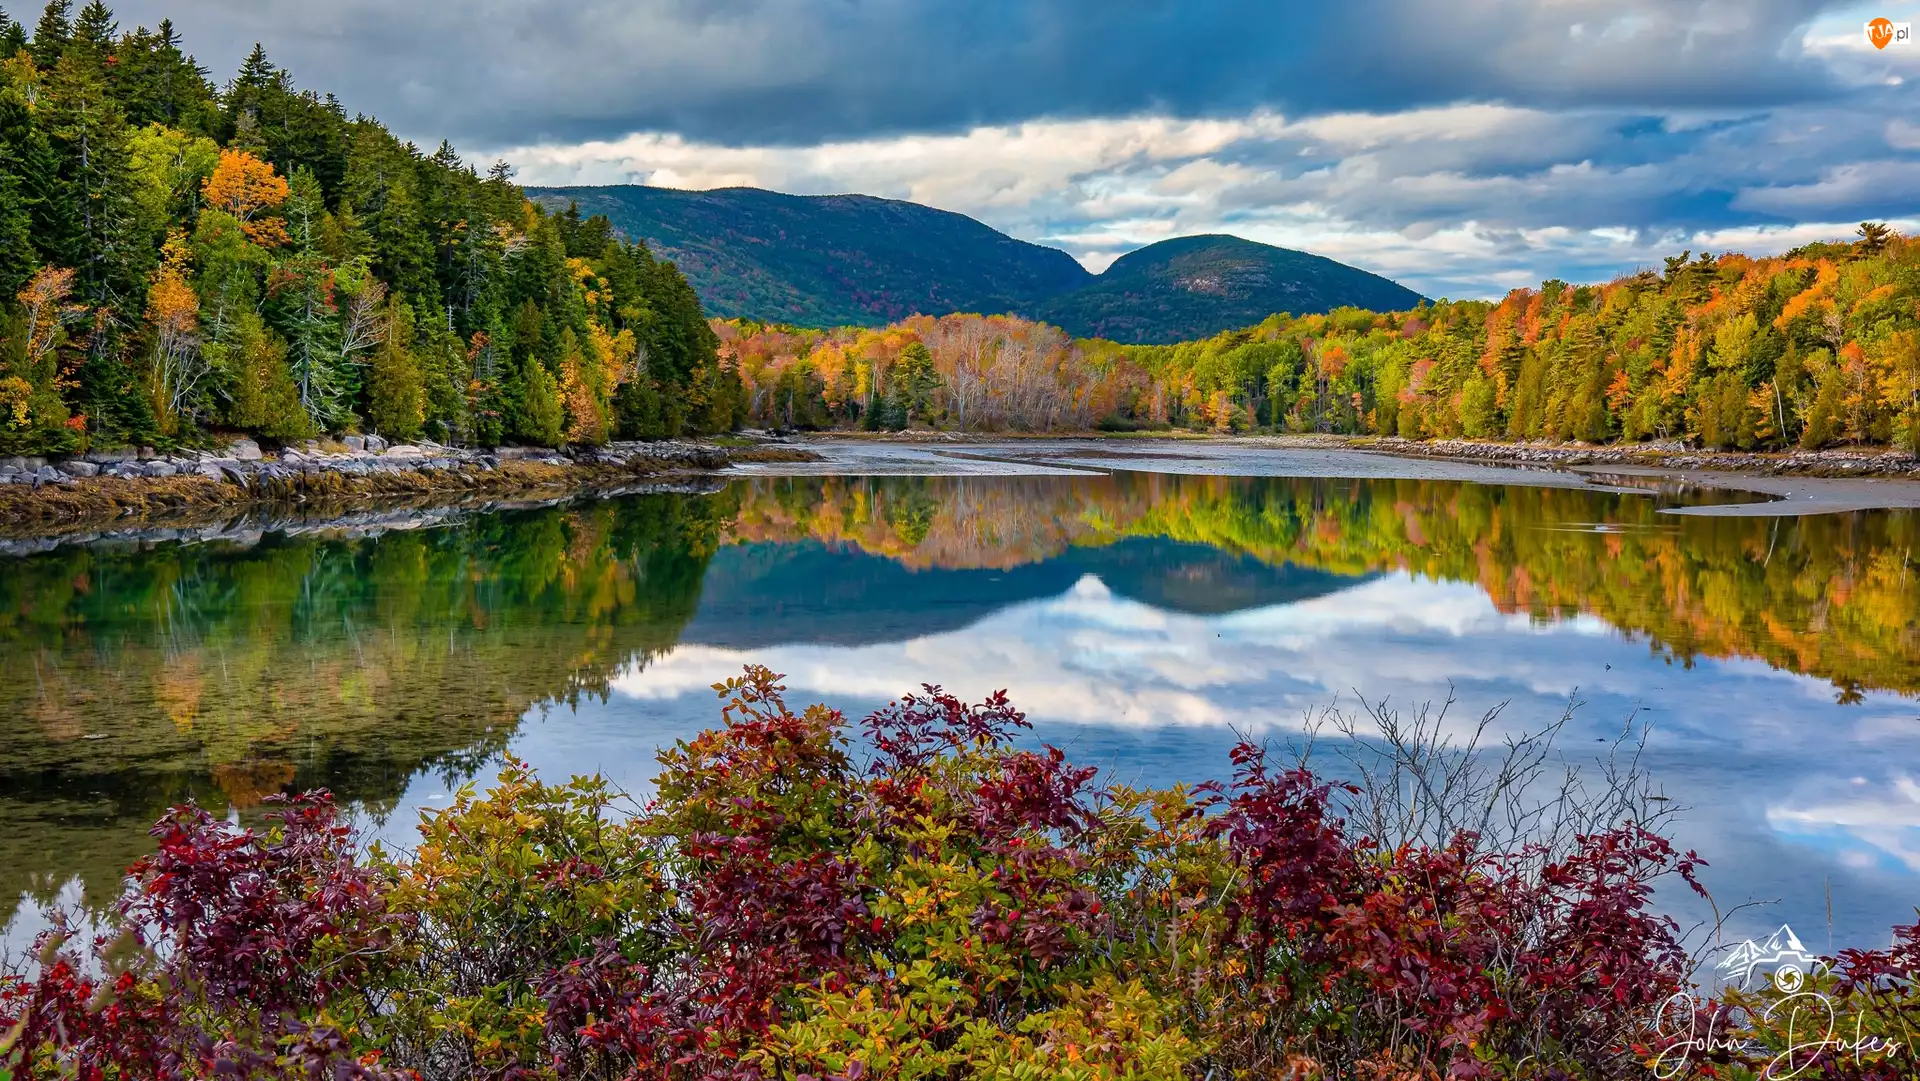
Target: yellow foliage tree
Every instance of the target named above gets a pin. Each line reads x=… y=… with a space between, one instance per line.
x=249 y=189
x=174 y=310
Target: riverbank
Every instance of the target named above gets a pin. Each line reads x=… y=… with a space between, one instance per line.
x=1696 y=483
x=122 y=492
x=1886 y=463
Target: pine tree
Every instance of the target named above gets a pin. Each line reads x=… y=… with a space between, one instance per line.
x=20 y=151
x=396 y=391
x=89 y=137
x=13 y=37
x=304 y=308
x=541 y=418
x=51 y=35
x=261 y=391
x=95 y=30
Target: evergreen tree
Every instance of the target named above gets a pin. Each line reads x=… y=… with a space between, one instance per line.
x=396 y=390
x=52 y=33
x=95 y=30
x=541 y=418
x=21 y=149
x=13 y=36
x=89 y=138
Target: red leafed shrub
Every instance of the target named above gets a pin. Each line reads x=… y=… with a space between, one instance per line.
x=917 y=896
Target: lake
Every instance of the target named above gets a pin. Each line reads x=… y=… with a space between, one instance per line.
x=1142 y=619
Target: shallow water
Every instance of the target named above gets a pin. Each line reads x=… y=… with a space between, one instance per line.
x=1141 y=619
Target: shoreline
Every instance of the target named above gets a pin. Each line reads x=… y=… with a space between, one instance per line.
x=152 y=499
x=1792 y=487
x=358 y=482
x=1883 y=463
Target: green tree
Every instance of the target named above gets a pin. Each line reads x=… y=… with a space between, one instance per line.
x=914 y=380
x=541 y=419
x=396 y=389
x=51 y=34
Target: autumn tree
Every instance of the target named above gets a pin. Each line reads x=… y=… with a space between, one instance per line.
x=249 y=190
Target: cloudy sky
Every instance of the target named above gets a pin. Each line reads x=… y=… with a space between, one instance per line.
x=1462 y=146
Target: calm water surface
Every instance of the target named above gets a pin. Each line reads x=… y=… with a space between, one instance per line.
x=1140 y=619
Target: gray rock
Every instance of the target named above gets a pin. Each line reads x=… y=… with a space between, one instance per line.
x=49 y=474
x=108 y=457
x=13 y=465
x=245 y=450
x=292 y=457
x=377 y=445
x=78 y=468
x=147 y=454
x=355 y=442
x=405 y=451
x=161 y=469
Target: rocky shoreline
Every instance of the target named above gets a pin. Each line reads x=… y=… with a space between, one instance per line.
x=1674 y=456
x=94 y=492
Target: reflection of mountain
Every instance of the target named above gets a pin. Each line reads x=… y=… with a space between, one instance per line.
x=1834 y=595
x=132 y=678
x=760 y=595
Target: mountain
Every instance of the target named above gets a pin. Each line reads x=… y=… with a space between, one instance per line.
x=837 y=260
x=828 y=260
x=1196 y=286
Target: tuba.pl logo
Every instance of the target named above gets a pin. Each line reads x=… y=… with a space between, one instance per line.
x=1884 y=32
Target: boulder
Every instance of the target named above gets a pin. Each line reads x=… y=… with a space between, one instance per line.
x=147 y=454
x=108 y=457
x=49 y=475
x=245 y=450
x=78 y=468
x=355 y=443
x=376 y=445
x=161 y=469
x=405 y=451
x=13 y=465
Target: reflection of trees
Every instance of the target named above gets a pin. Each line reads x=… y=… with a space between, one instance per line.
x=1835 y=595
x=133 y=679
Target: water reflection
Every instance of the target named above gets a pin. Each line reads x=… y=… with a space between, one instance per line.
x=1139 y=618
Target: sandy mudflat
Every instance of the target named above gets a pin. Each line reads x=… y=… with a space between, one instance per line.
x=1774 y=496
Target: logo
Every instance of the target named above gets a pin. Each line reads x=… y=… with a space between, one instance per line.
x=1884 y=32
x=1781 y=959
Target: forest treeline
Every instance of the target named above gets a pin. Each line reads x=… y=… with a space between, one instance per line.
x=1816 y=347
x=178 y=259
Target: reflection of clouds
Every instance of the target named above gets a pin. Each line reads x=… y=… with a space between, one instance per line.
x=1153 y=694
x=1091 y=657
x=1864 y=818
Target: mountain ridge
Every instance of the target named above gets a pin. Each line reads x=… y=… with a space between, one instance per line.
x=863 y=260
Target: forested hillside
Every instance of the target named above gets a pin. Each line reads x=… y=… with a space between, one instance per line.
x=179 y=259
x=1195 y=286
x=1817 y=347
x=828 y=260
x=822 y=261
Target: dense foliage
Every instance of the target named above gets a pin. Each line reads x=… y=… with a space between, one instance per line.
x=955 y=906
x=1814 y=348
x=176 y=258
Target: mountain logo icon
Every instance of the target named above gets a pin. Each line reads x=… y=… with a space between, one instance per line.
x=1780 y=958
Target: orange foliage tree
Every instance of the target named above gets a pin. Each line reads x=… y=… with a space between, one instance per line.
x=248 y=188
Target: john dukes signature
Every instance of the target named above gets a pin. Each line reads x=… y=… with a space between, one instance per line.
x=1813 y=1030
